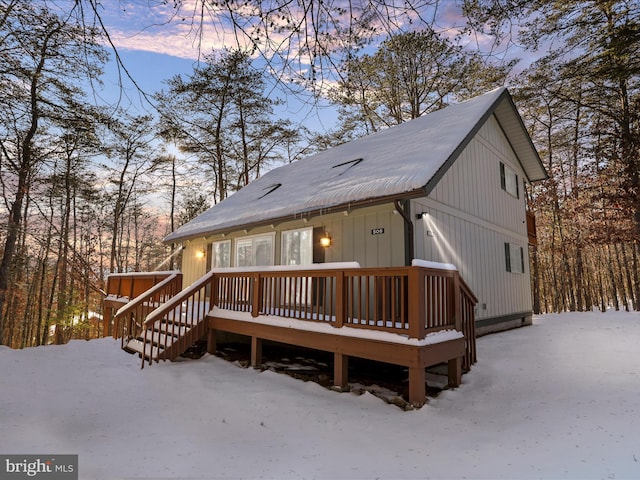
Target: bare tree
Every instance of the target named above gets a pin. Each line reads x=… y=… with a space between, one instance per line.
x=130 y=156
x=221 y=115
x=42 y=57
x=302 y=42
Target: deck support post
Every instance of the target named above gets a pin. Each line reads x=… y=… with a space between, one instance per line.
x=256 y=351
x=454 y=371
x=340 y=370
x=257 y=296
x=106 y=322
x=341 y=305
x=211 y=341
x=417 y=387
x=117 y=327
x=457 y=305
x=416 y=309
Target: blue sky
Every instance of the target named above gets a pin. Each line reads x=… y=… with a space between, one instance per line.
x=155 y=44
x=151 y=69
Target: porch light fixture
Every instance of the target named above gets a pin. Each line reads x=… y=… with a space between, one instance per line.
x=421 y=215
x=199 y=254
x=325 y=240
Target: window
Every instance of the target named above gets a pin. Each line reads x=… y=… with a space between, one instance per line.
x=509 y=180
x=256 y=251
x=297 y=247
x=514 y=256
x=221 y=254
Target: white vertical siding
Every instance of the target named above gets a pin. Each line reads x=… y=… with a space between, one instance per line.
x=472 y=184
x=471 y=217
x=353 y=240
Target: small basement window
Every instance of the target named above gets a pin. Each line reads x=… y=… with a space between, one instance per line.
x=514 y=258
x=509 y=180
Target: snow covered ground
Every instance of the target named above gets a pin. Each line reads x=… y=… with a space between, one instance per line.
x=560 y=399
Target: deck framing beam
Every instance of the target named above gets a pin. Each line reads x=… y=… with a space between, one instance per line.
x=414 y=357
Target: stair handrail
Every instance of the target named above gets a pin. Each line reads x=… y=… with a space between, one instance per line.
x=177 y=299
x=132 y=305
x=468 y=300
x=146 y=294
x=464 y=288
x=170 y=305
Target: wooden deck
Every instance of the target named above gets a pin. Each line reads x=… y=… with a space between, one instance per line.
x=410 y=316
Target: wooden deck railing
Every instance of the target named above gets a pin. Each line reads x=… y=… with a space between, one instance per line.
x=132 y=284
x=185 y=312
x=411 y=301
x=124 y=287
x=129 y=319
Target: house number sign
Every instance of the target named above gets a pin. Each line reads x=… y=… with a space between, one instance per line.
x=377 y=231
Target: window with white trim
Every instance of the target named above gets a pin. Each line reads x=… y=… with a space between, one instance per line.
x=297 y=247
x=221 y=254
x=514 y=257
x=255 y=251
x=509 y=180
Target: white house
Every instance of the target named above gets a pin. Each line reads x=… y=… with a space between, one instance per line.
x=447 y=187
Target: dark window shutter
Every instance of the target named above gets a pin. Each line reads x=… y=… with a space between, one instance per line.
x=209 y=258
x=507 y=256
x=517 y=188
x=522 y=258
x=503 y=180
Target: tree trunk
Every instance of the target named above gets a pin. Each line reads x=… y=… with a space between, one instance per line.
x=612 y=279
x=635 y=246
x=536 y=279
x=6 y=265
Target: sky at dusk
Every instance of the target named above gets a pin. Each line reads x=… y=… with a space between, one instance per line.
x=156 y=42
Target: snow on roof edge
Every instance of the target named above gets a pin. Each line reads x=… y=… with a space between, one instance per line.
x=338 y=207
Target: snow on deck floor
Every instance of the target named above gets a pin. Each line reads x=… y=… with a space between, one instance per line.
x=560 y=399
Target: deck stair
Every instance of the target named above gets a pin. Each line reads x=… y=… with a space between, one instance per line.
x=168 y=337
x=415 y=316
x=171 y=323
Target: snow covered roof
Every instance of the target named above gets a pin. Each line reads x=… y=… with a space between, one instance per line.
x=401 y=161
